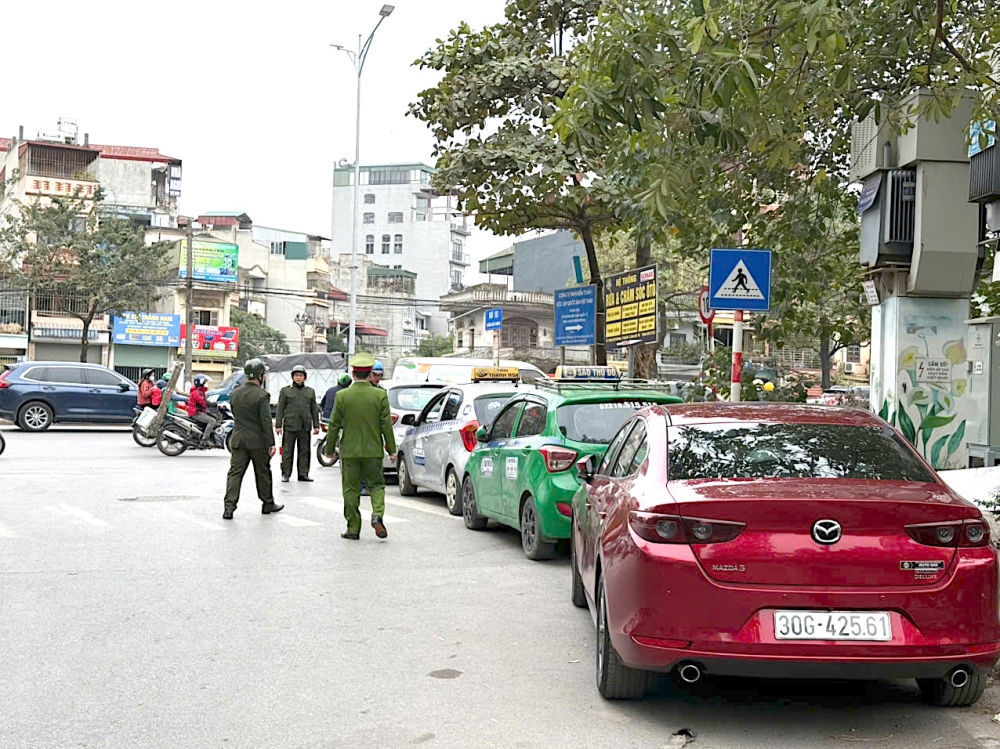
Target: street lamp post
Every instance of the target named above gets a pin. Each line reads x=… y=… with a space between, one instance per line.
x=358 y=60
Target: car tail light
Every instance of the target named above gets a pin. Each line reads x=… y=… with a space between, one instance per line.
x=3 y=379
x=959 y=533
x=563 y=508
x=672 y=529
x=468 y=433
x=557 y=458
x=395 y=417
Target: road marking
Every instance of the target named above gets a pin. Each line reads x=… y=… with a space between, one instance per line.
x=180 y=514
x=83 y=515
x=414 y=504
x=334 y=506
x=6 y=532
x=297 y=522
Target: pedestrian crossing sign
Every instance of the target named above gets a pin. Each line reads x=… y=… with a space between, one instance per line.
x=740 y=280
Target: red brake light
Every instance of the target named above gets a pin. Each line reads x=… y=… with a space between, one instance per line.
x=557 y=458
x=394 y=416
x=3 y=377
x=671 y=529
x=468 y=433
x=958 y=533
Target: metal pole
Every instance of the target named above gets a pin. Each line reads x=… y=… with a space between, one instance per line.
x=352 y=332
x=737 y=374
x=189 y=338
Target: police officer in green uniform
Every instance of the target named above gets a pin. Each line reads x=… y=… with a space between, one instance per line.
x=362 y=413
x=297 y=411
x=252 y=440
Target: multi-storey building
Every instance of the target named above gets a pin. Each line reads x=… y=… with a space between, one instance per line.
x=403 y=223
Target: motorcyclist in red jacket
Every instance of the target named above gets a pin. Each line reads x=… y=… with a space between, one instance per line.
x=197 y=406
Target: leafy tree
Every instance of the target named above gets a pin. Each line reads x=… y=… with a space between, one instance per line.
x=336 y=343
x=489 y=114
x=436 y=346
x=86 y=264
x=256 y=338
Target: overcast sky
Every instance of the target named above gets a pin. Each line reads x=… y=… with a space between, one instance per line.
x=250 y=95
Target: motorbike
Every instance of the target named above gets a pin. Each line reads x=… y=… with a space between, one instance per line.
x=139 y=424
x=179 y=434
x=325 y=460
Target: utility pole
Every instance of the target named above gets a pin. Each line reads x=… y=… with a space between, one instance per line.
x=189 y=305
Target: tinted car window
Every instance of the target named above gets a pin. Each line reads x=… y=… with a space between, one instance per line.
x=504 y=423
x=596 y=423
x=629 y=457
x=488 y=406
x=411 y=399
x=532 y=420
x=451 y=405
x=64 y=375
x=432 y=412
x=530 y=375
x=612 y=451
x=37 y=374
x=102 y=378
x=727 y=451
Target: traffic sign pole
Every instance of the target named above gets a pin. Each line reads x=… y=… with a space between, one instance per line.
x=736 y=380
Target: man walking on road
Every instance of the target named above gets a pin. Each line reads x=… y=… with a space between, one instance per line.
x=252 y=440
x=297 y=411
x=362 y=412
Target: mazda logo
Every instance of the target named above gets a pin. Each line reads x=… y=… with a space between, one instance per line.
x=826 y=532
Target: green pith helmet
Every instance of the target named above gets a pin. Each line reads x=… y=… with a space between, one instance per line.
x=363 y=361
x=344 y=379
x=255 y=369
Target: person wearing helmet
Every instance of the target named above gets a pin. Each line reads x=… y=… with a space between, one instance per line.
x=297 y=412
x=197 y=406
x=157 y=396
x=252 y=440
x=145 y=396
x=326 y=405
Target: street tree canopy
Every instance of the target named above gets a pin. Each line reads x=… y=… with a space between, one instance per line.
x=256 y=337
x=81 y=262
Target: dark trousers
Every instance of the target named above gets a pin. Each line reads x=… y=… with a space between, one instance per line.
x=289 y=441
x=238 y=464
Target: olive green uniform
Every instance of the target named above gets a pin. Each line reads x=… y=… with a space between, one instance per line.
x=297 y=415
x=253 y=436
x=362 y=412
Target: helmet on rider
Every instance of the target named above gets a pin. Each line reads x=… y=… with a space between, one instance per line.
x=344 y=379
x=299 y=369
x=161 y=384
x=255 y=369
x=378 y=368
x=201 y=381
x=147 y=373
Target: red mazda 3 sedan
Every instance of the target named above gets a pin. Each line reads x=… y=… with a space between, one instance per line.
x=781 y=541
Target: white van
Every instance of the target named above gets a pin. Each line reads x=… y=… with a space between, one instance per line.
x=449 y=370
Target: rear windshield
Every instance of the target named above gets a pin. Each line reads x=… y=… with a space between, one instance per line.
x=596 y=423
x=763 y=451
x=488 y=406
x=411 y=399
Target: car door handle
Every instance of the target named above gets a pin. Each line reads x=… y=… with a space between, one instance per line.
x=96 y=390
x=48 y=389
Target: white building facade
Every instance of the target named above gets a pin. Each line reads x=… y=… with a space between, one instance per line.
x=404 y=224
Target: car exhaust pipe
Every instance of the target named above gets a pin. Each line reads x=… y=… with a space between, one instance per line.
x=690 y=673
x=959 y=677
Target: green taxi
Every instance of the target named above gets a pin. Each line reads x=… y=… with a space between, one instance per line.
x=522 y=473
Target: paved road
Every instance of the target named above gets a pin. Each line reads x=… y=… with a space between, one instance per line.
x=132 y=616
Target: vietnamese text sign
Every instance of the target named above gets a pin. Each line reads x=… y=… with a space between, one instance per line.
x=213 y=342
x=740 y=280
x=147 y=329
x=494 y=318
x=933 y=370
x=630 y=307
x=576 y=313
x=213 y=261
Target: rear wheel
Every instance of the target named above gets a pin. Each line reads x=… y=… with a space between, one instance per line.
x=406 y=487
x=470 y=512
x=169 y=447
x=141 y=439
x=577 y=595
x=322 y=458
x=615 y=680
x=35 y=417
x=229 y=442
x=452 y=493
x=941 y=691
x=531 y=540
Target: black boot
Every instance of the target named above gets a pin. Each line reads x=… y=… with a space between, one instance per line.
x=228 y=514
x=306 y=478
x=271 y=508
x=285 y=479
x=351 y=536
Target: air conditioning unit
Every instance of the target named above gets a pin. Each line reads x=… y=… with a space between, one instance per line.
x=888 y=211
x=984 y=176
x=849 y=367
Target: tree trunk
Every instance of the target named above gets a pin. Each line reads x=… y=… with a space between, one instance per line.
x=85 y=338
x=595 y=278
x=645 y=355
x=824 y=360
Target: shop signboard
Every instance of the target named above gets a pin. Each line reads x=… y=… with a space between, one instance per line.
x=147 y=329
x=212 y=342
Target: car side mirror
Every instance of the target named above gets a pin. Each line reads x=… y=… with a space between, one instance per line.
x=585 y=469
x=408 y=420
x=124 y=387
x=481 y=435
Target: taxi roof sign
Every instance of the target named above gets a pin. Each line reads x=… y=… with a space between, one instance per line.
x=500 y=374
x=587 y=374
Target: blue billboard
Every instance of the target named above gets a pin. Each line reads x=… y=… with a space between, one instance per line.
x=147 y=329
x=576 y=315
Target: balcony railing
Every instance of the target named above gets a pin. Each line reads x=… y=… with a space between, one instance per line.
x=460 y=257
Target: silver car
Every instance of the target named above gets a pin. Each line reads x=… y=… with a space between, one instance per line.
x=405 y=398
x=439 y=439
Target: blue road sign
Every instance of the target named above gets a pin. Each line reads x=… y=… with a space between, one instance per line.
x=740 y=280
x=576 y=316
x=494 y=318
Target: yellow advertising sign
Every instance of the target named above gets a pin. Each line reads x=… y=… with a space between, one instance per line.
x=630 y=303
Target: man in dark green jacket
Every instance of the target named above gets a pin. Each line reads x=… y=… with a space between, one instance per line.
x=252 y=440
x=297 y=412
x=362 y=413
